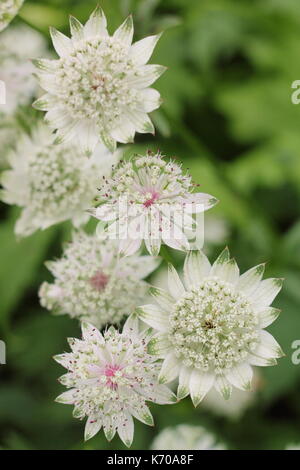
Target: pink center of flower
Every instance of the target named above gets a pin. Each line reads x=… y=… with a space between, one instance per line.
x=99 y=281
x=153 y=198
x=110 y=372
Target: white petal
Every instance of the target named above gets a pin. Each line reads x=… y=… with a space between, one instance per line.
x=141 y=122
x=223 y=386
x=230 y=272
x=200 y=384
x=149 y=100
x=249 y=281
x=267 y=316
x=142 y=413
x=88 y=137
x=164 y=300
x=131 y=325
x=159 y=345
x=196 y=267
x=268 y=346
x=124 y=33
x=184 y=382
x=91 y=333
x=124 y=133
x=241 y=376
x=76 y=29
x=126 y=430
x=66 y=360
x=129 y=247
x=153 y=246
x=162 y=395
x=169 y=370
x=266 y=291
x=91 y=428
x=154 y=317
x=141 y=51
x=62 y=44
x=96 y=24
x=219 y=266
x=148 y=74
x=67 y=398
x=199 y=202
x=255 y=360
x=176 y=287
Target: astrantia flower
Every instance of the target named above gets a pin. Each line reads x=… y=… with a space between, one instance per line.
x=150 y=199
x=94 y=284
x=51 y=182
x=18 y=45
x=110 y=379
x=99 y=87
x=8 y=10
x=185 y=437
x=210 y=330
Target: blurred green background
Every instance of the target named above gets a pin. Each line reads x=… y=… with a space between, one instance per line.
x=227 y=114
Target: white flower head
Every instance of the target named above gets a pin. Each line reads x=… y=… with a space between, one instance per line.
x=185 y=437
x=110 y=378
x=149 y=198
x=51 y=183
x=18 y=45
x=211 y=327
x=99 y=87
x=92 y=283
x=8 y=10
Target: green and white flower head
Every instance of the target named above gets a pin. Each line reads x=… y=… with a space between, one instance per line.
x=293 y=447
x=92 y=283
x=8 y=10
x=18 y=45
x=110 y=378
x=51 y=183
x=149 y=198
x=185 y=437
x=99 y=87
x=211 y=327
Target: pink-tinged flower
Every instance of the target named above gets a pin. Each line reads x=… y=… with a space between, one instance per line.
x=92 y=283
x=110 y=377
x=149 y=198
x=99 y=88
x=211 y=327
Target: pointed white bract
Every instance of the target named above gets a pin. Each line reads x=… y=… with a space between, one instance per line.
x=150 y=199
x=110 y=378
x=92 y=283
x=99 y=88
x=52 y=183
x=210 y=329
x=8 y=10
x=185 y=437
x=18 y=45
